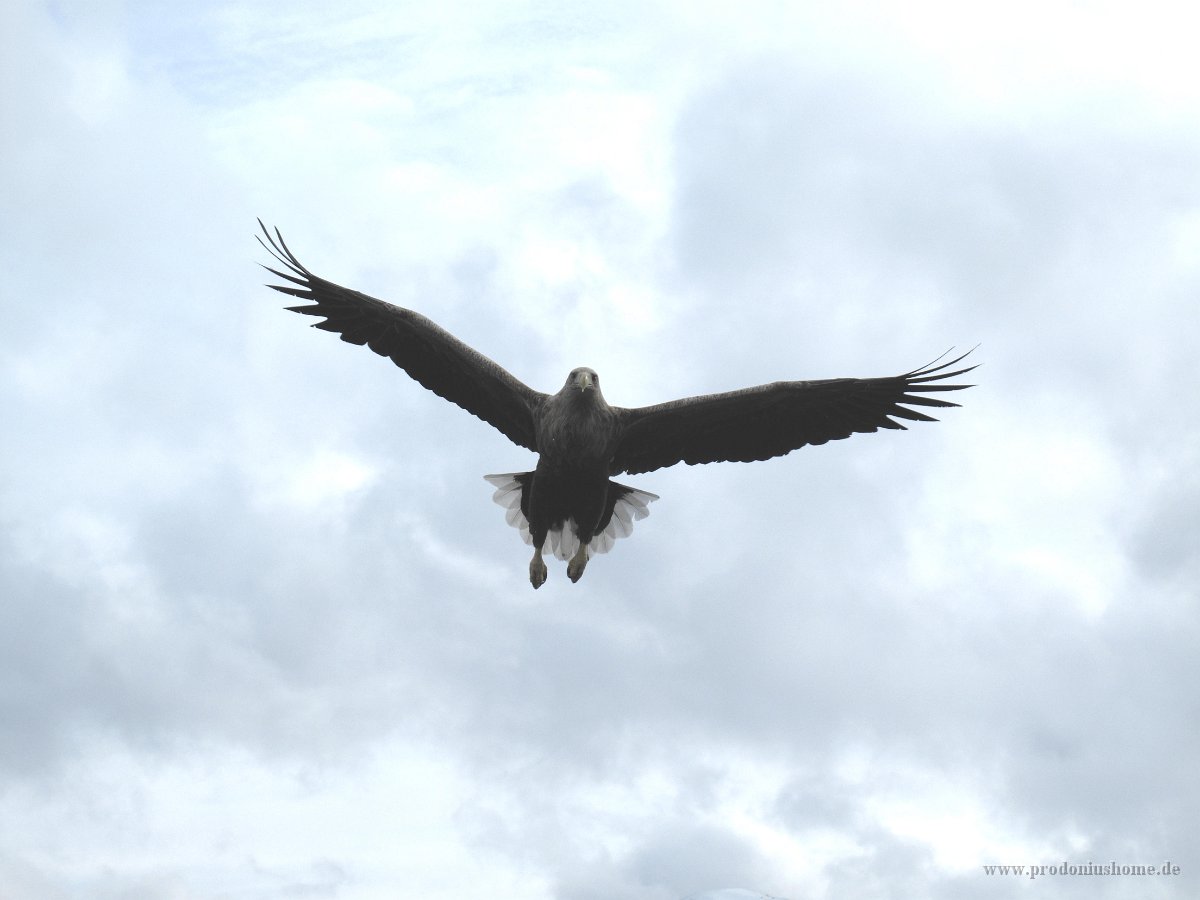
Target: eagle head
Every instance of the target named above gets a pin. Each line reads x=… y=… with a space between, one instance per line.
x=583 y=379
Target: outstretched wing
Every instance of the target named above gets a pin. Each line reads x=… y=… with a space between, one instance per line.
x=430 y=354
x=774 y=419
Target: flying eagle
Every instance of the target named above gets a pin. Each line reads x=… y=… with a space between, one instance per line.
x=581 y=440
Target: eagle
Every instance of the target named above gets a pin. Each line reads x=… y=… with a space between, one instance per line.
x=569 y=500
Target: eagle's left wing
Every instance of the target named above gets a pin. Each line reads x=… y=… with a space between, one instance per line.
x=430 y=354
x=774 y=419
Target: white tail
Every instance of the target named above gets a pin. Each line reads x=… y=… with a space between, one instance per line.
x=562 y=541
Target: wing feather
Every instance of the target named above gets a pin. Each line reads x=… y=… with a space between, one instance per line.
x=773 y=419
x=430 y=354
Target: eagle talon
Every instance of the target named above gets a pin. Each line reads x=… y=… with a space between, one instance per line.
x=537 y=570
x=578 y=563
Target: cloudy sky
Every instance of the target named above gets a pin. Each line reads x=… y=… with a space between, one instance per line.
x=263 y=633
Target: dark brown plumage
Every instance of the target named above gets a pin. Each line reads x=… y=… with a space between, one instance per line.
x=569 y=499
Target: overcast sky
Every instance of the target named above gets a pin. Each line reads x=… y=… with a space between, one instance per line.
x=263 y=633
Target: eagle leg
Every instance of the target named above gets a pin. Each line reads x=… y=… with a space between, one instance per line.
x=537 y=569
x=578 y=563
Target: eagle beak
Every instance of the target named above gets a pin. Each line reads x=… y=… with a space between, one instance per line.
x=584 y=381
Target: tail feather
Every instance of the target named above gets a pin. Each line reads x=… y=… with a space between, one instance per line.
x=625 y=506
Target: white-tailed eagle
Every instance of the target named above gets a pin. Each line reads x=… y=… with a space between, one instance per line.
x=569 y=499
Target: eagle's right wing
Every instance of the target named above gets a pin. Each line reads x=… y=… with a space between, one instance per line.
x=430 y=354
x=774 y=419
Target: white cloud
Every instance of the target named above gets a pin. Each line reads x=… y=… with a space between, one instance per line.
x=263 y=630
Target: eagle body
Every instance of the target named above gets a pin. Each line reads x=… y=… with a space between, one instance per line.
x=569 y=503
x=576 y=428
x=569 y=495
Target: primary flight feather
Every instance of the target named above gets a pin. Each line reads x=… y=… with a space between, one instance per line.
x=568 y=500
